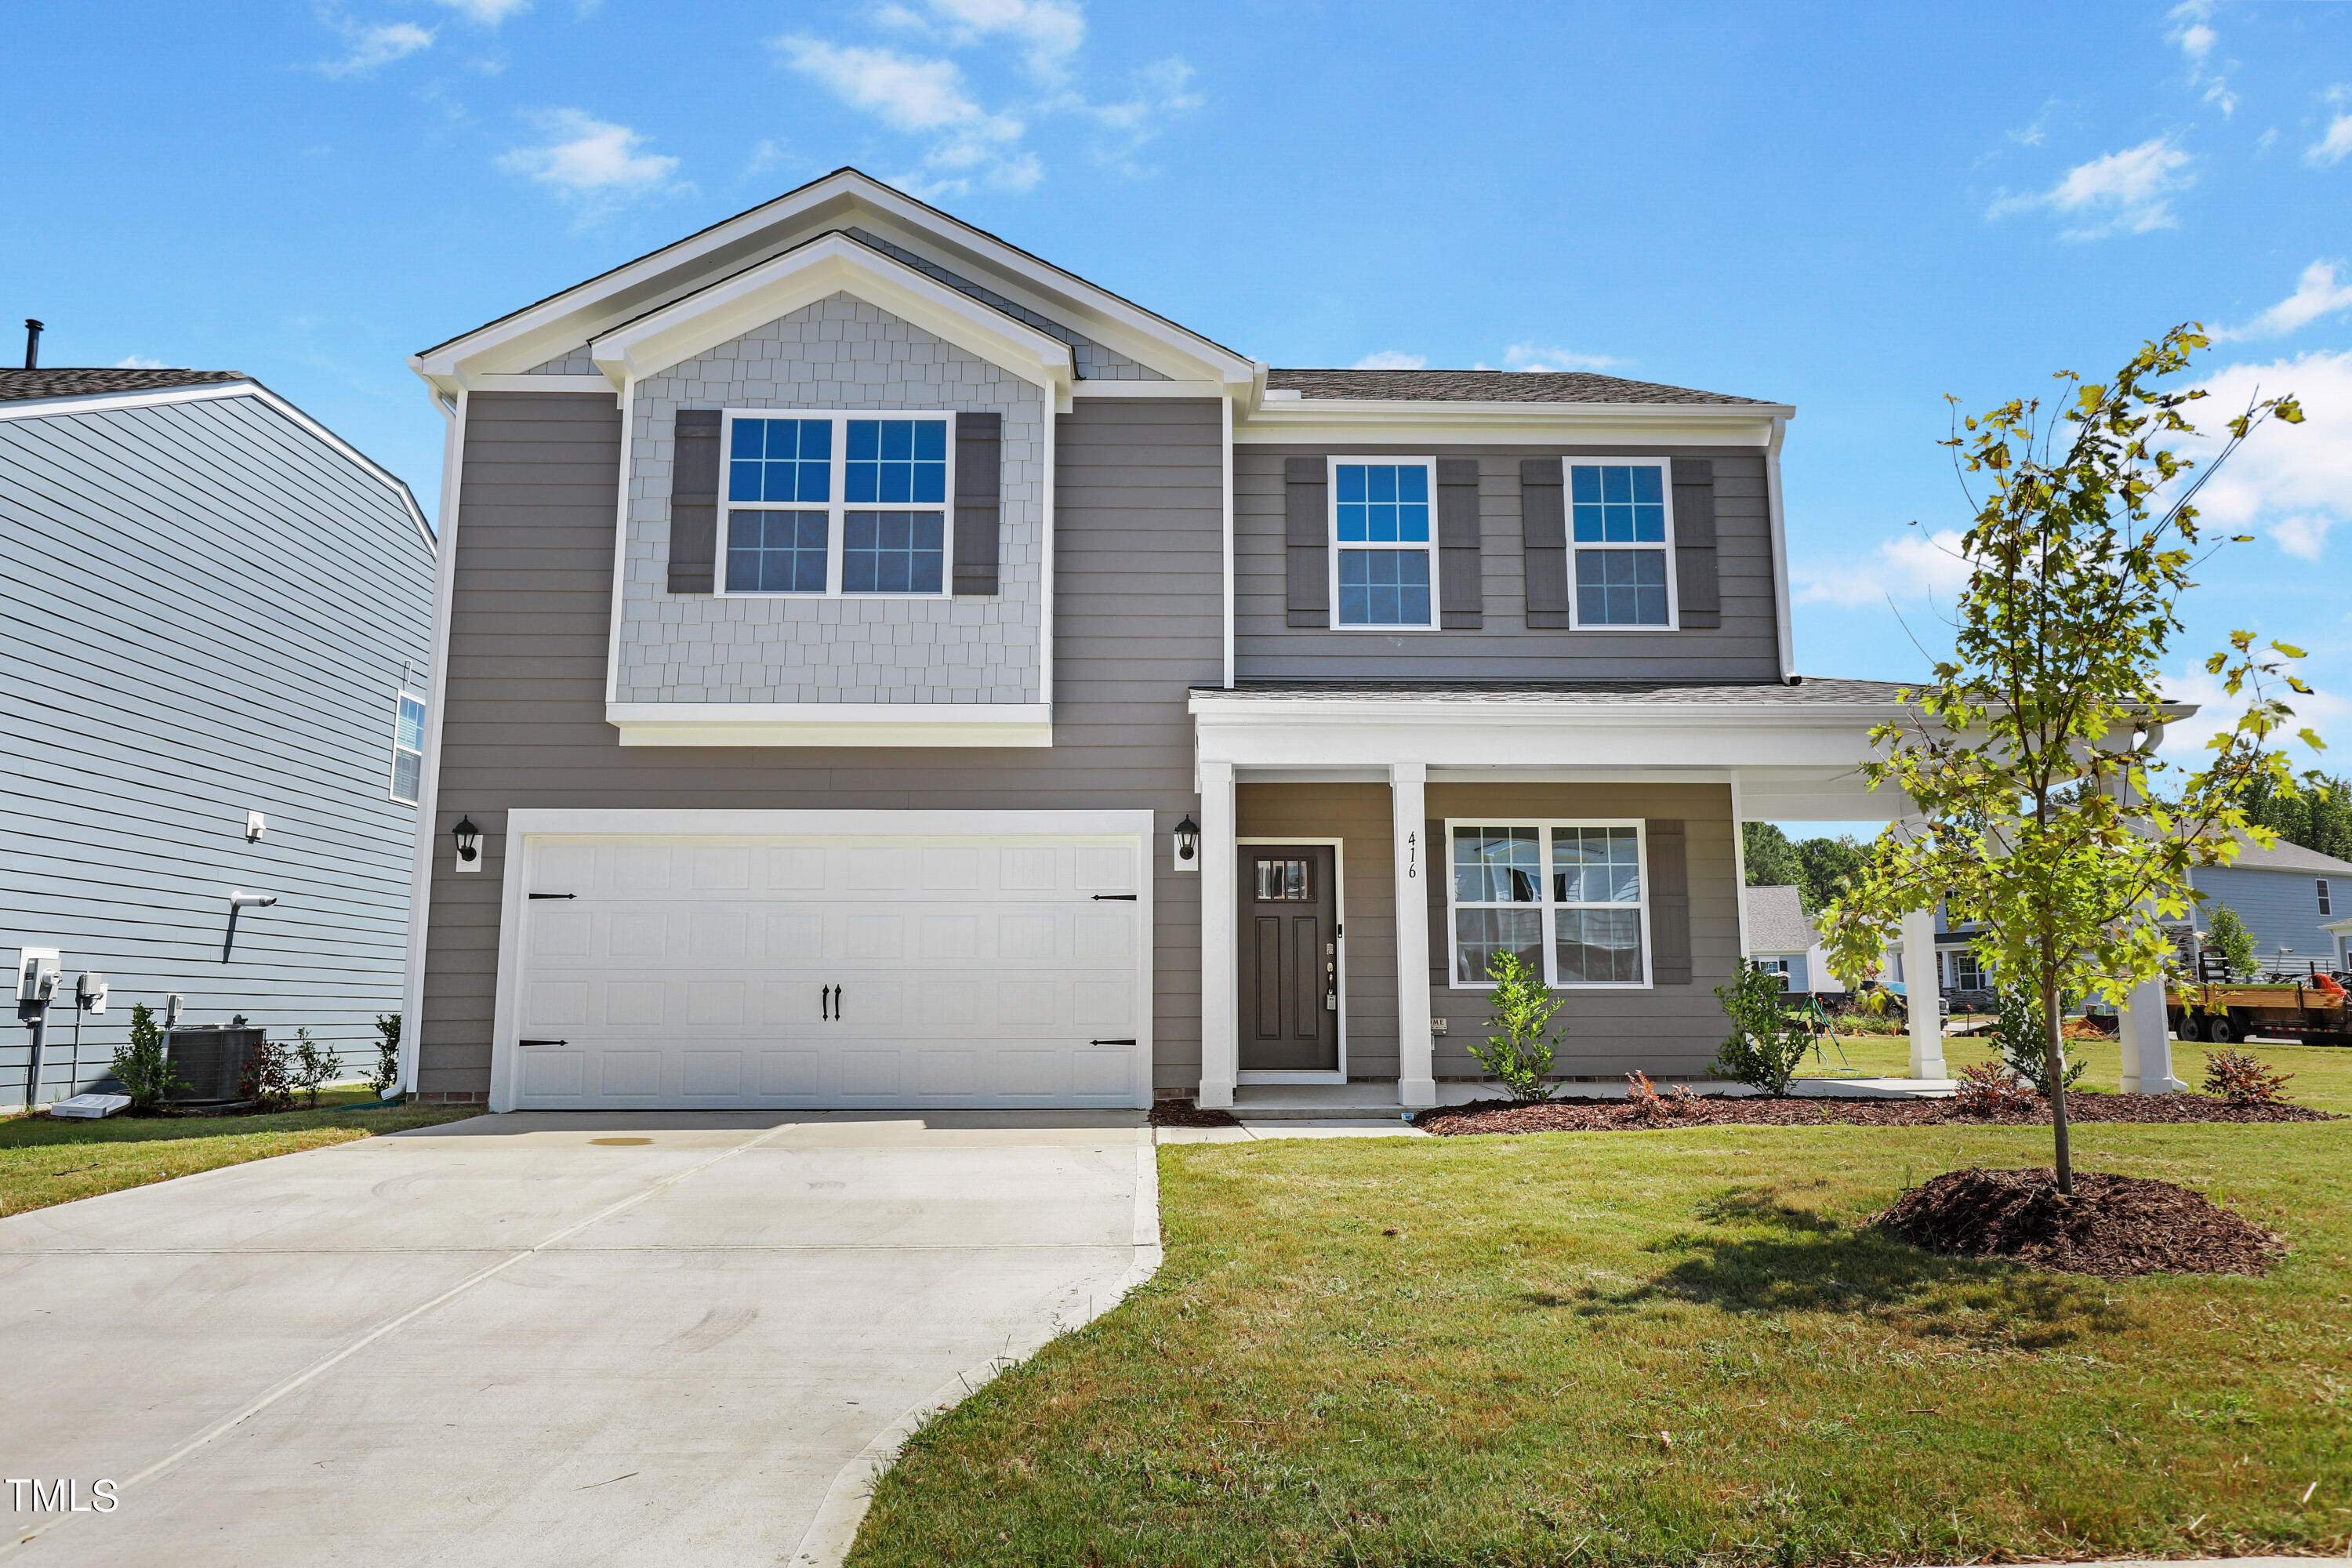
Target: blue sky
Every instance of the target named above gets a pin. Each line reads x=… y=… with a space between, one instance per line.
x=1856 y=209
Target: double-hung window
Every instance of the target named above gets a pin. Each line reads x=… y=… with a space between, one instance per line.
x=1383 y=556
x=1569 y=899
x=407 y=747
x=2325 y=903
x=1621 y=533
x=838 y=503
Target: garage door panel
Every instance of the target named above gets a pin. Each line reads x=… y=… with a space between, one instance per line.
x=1106 y=936
x=1100 y=1003
x=563 y=933
x=951 y=868
x=637 y=936
x=555 y=1002
x=552 y=1074
x=717 y=936
x=1100 y=869
x=1025 y=870
x=715 y=1001
x=642 y=868
x=872 y=936
x=705 y=1073
x=630 y=1002
x=630 y=1075
x=1025 y=936
x=948 y=936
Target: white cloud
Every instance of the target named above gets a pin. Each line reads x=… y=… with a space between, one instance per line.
x=2335 y=142
x=2317 y=294
x=921 y=97
x=374 y=47
x=488 y=12
x=1530 y=356
x=1389 y=359
x=591 y=161
x=138 y=362
x=2185 y=739
x=1048 y=31
x=2193 y=32
x=2291 y=482
x=2123 y=192
x=1912 y=565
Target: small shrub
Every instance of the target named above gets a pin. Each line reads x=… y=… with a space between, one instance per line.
x=387 y=1053
x=1766 y=1046
x=268 y=1079
x=141 y=1067
x=1521 y=1055
x=2242 y=1078
x=2226 y=934
x=2024 y=1049
x=314 y=1066
x=1987 y=1089
x=1649 y=1105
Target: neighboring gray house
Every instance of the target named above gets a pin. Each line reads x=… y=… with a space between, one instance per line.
x=882 y=668
x=1781 y=938
x=2286 y=895
x=217 y=628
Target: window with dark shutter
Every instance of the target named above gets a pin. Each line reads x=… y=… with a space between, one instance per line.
x=1306 y=536
x=1697 y=591
x=1461 y=590
x=1543 y=514
x=694 y=500
x=979 y=501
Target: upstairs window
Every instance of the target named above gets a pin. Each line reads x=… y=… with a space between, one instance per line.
x=1383 y=564
x=1621 y=533
x=2325 y=906
x=408 y=748
x=806 y=495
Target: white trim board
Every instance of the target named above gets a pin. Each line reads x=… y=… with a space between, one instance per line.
x=1346 y=420
x=831 y=724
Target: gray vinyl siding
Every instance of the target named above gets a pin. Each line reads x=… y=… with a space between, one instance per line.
x=1138 y=537
x=2280 y=908
x=1358 y=814
x=1667 y=1029
x=207 y=611
x=1745 y=648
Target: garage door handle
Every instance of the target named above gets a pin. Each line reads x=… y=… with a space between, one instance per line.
x=543 y=1042
x=1115 y=897
x=836 y=1003
x=1111 y=1042
x=554 y=895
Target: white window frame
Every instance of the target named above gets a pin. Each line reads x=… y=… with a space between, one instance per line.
x=392 y=774
x=1546 y=827
x=837 y=508
x=1331 y=467
x=1778 y=966
x=1958 y=956
x=1674 y=621
x=2326 y=898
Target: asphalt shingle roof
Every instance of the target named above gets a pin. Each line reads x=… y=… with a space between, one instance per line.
x=1815 y=692
x=1777 y=923
x=1489 y=387
x=88 y=380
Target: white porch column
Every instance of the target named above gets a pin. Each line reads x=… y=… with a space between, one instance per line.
x=1922 y=989
x=1415 y=864
x=2147 y=1041
x=1220 y=1009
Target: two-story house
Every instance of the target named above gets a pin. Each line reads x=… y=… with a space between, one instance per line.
x=884 y=669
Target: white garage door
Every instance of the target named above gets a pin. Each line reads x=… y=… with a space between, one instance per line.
x=791 y=971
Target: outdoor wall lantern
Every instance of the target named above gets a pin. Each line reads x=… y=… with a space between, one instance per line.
x=1188 y=844
x=469 y=844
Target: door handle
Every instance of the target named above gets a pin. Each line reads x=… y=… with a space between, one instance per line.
x=1114 y=898
x=554 y=895
x=542 y=1042
x=836 y=1003
x=1111 y=1042
x=825 y=1003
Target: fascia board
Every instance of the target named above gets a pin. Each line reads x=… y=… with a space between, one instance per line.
x=830 y=724
x=1614 y=424
x=1663 y=741
x=1213 y=707
x=702 y=320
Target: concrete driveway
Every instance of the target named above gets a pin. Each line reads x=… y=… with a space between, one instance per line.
x=516 y=1341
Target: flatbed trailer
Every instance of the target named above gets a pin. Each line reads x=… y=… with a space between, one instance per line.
x=2225 y=1012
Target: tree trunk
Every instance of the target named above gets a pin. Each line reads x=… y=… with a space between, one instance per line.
x=2055 y=1050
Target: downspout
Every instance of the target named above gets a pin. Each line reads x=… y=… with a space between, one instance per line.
x=1788 y=641
x=420 y=886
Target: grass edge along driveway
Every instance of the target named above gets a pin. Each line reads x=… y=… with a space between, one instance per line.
x=1656 y=1347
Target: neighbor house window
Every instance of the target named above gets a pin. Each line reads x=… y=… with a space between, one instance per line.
x=1967 y=974
x=1568 y=899
x=1620 y=531
x=2323 y=908
x=408 y=748
x=838 y=503
x=1778 y=966
x=1383 y=563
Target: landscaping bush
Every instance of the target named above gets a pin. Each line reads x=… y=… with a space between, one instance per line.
x=269 y=1080
x=2243 y=1078
x=2017 y=1034
x=314 y=1065
x=387 y=1053
x=140 y=1067
x=2226 y=934
x=1987 y=1089
x=1767 y=1046
x=1521 y=1055
x=1651 y=1106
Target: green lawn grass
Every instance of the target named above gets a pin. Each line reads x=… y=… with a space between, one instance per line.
x=1660 y=1347
x=2322 y=1074
x=48 y=1160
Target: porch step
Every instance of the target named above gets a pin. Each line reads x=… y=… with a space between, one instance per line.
x=1317 y=1101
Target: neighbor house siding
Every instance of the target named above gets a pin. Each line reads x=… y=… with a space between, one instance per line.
x=2281 y=909
x=1744 y=648
x=208 y=611
x=1137 y=564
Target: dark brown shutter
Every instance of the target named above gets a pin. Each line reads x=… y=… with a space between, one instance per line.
x=1436 y=856
x=1698 y=593
x=1461 y=590
x=1670 y=930
x=694 y=500
x=1543 y=514
x=1306 y=532
x=979 y=500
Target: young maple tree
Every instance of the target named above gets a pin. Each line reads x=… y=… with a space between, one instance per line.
x=2041 y=809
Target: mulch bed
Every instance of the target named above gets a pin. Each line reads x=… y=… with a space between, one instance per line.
x=1810 y=1110
x=2113 y=1225
x=1184 y=1113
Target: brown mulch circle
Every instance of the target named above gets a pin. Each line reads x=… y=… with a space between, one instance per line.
x=1824 y=1110
x=2113 y=1225
x=1184 y=1113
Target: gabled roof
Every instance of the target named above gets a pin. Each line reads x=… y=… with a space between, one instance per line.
x=1492 y=386
x=1777 y=923
x=98 y=381
x=2285 y=856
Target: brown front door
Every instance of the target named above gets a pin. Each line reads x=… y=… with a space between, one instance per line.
x=1290 y=959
